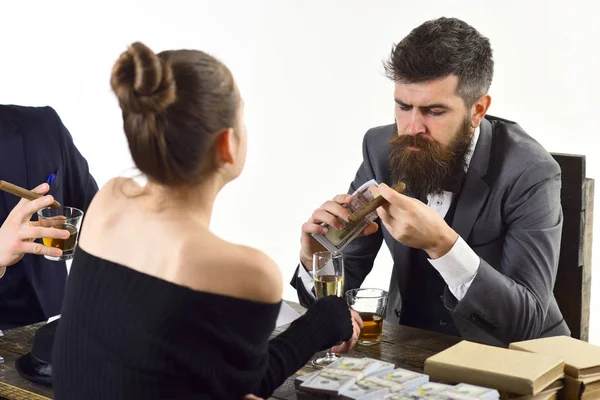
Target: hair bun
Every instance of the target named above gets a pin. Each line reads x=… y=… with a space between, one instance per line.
x=142 y=81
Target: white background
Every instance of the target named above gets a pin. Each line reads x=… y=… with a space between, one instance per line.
x=311 y=76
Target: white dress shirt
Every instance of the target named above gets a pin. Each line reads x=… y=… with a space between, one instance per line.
x=459 y=266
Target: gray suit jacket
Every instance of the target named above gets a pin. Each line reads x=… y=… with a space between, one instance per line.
x=509 y=213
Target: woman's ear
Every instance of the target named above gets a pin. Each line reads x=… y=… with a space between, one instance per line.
x=225 y=142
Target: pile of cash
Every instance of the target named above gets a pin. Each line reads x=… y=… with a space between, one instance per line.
x=335 y=240
x=438 y=391
x=352 y=378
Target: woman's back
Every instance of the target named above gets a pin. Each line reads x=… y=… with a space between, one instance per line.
x=162 y=318
x=125 y=334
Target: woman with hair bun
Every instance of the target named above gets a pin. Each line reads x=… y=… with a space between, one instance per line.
x=157 y=306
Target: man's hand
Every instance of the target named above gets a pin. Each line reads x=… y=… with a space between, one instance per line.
x=414 y=224
x=327 y=213
x=18 y=233
x=357 y=325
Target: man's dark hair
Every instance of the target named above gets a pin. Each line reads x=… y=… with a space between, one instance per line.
x=442 y=47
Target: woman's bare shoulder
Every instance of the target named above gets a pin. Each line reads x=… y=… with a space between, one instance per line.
x=212 y=264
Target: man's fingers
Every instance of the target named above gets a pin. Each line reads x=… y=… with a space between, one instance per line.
x=370 y=229
x=336 y=209
x=321 y=215
x=374 y=191
x=384 y=215
x=26 y=210
x=40 y=249
x=343 y=198
x=41 y=189
x=328 y=213
x=393 y=197
x=310 y=227
x=38 y=232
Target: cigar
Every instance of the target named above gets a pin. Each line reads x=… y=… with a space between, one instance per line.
x=24 y=193
x=373 y=204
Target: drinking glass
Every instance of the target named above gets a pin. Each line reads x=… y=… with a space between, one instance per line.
x=371 y=305
x=328 y=276
x=67 y=218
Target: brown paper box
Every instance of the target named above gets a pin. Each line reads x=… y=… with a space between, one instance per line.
x=551 y=392
x=506 y=370
x=587 y=388
x=582 y=359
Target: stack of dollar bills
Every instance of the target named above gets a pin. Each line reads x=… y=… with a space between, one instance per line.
x=350 y=378
x=335 y=240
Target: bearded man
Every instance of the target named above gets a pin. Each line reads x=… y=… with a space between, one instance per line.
x=475 y=237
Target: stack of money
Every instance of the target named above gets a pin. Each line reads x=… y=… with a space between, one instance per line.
x=383 y=368
x=377 y=386
x=437 y=391
x=423 y=391
x=335 y=240
x=466 y=392
x=342 y=374
x=351 y=378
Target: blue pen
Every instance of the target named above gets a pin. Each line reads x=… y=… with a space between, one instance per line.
x=50 y=179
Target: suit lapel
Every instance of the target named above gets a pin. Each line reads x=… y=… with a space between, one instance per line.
x=475 y=190
x=12 y=161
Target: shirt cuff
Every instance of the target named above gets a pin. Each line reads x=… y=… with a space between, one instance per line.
x=458 y=266
x=306 y=278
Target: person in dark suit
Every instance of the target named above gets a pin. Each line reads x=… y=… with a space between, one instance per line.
x=475 y=238
x=36 y=150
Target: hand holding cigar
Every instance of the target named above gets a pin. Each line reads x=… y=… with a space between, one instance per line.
x=19 y=234
x=24 y=193
x=373 y=204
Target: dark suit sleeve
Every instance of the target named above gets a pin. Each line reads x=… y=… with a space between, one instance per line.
x=510 y=301
x=360 y=254
x=80 y=186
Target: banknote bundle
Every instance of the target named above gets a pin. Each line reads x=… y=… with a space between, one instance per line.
x=352 y=378
x=335 y=240
x=376 y=386
x=342 y=374
x=383 y=367
x=420 y=392
x=439 y=391
x=464 y=391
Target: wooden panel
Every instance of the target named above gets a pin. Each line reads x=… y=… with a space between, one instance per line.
x=586 y=269
x=573 y=281
x=573 y=176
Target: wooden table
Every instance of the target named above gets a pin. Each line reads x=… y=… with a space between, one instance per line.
x=404 y=346
x=13 y=345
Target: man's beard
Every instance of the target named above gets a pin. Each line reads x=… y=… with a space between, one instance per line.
x=432 y=169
